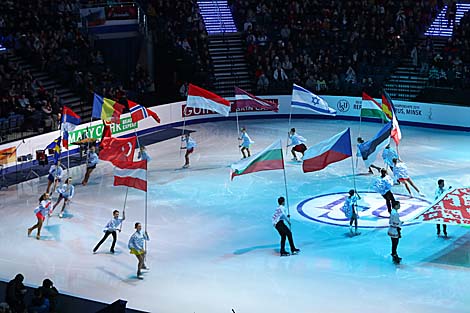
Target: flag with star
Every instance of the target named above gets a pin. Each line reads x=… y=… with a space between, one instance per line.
x=304 y=99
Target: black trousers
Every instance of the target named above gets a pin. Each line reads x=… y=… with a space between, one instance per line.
x=394 y=245
x=389 y=200
x=444 y=228
x=284 y=232
x=106 y=234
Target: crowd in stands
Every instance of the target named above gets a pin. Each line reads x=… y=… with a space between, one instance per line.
x=43 y=300
x=46 y=33
x=451 y=67
x=179 y=26
x=332 y=46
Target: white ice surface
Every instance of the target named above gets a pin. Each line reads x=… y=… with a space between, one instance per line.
x=213 y=247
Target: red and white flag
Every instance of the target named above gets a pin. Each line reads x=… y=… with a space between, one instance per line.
x=244 y=99
x=139 y=112
x=117 y=149
x=204 y=99
x=131 y=174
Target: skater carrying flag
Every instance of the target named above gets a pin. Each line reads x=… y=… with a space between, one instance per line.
x=350 y=210
x=400 y=172
x=41 y=212
x=359 y=155
x=439 y=191
x=143 y=155
x=298 y=143
x=55 y=175
x=279 y=219
x=111 y=229
x=66 y=192
x=190 y=145
x=388 y=155
x=394 y=231
x=383 y=185
x=245 y=144
x=136 y=247
x=92 y=160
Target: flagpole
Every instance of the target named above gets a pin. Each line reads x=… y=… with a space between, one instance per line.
x=352 y=166
x=184 y=125
x=146 y=196
x=285 y=186
x=287 y=142
x=238 y=126
x=124 y=208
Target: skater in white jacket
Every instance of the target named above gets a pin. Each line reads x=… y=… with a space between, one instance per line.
x=400 y=172
x=394 y=231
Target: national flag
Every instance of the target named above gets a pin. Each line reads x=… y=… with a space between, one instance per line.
x=204 y=99
x=244 y=99
x=334 y=149
x=65 y=139
x=452 y=207
x=131 y=174
x=371 y=108
x=266 y=160
x=69 y=119
x=118 y=149
x=8 y=155
x=107 y=109
x=388 y=104
x=370 y=149
x=304 y=99
x=139 y=112
x=55 y=146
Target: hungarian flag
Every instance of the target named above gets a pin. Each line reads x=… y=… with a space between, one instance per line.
x=244 y=99
x=387 y=105
x=371 y=148
x=334 y=149
x=266 y=160
x=204 y=99
x=371 y=108
x=139 y=112
x=118 y=149
x=107 y=109
x=131 y=174
x=453 y=207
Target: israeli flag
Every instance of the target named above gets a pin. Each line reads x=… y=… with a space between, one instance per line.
x=304 y=99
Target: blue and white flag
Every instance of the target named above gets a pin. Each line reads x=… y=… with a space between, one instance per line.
x=304 y=99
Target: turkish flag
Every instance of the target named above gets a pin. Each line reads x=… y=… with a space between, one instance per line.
x=118 y=149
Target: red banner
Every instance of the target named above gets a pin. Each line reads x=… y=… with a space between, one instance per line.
x=452 y=208
x=121 y=13
x=188 y=111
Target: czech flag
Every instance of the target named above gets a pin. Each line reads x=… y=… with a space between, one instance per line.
x=204 y=99
x=332 y=150
x=107 y=109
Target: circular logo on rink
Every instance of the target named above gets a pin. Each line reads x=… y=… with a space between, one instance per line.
x=371 y=208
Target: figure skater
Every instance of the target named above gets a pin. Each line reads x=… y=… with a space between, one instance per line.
x=383 y=185
x=439 y=191
x=298 y=143
x=190 y=145
x=394 y=231
x=400 y=171
x=388 y=155
x=278 y=222
x=41 y=212
x=66 y=192
x=350 y=210
x=111 y=229
x=136 y=246
x=245 y=144
x=92 y=160
x=143 y=155
x=55 y=176
x=359 y=155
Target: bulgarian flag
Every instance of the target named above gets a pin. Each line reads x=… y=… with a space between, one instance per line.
x=266 y=160
x=204 y=99
x=371 y=108
x=107 y=109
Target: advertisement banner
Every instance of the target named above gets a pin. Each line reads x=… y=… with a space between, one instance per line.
x=93 y=17
x=96 y=131
x=121 y=13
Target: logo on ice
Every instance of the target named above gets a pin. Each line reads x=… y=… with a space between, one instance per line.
x=371 y=208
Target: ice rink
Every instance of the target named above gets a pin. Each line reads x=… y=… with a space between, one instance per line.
x=213 y=247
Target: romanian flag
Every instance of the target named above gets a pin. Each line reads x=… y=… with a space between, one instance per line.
x=55 y=145
x=107 y=109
